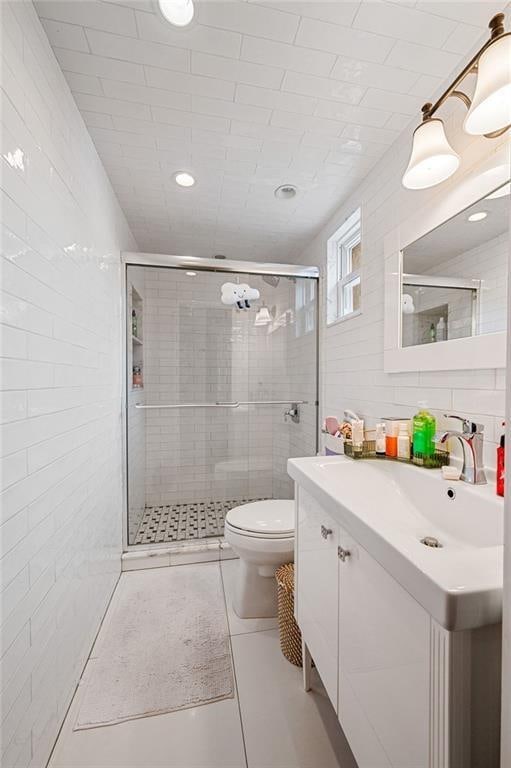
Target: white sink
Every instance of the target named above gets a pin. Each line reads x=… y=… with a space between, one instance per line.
x=389 y=507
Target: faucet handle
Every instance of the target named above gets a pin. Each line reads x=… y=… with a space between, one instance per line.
x=469 y=427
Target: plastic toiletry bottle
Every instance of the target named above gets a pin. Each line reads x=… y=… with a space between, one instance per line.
x=357 y=436
x=441 y=330
x=380 y=440
x=403 y=442
x=432 y=332
x=501 y=464
x=134 y=323
x=424 y=429
x=137 y=377
x=391 y=434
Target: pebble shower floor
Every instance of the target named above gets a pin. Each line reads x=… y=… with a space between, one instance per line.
x=182 y=522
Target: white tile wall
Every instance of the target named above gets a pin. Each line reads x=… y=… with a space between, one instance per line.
x=198 y=350
x=62 y=230
x=352 y=351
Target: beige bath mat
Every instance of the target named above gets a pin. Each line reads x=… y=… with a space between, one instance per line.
x=164 y=646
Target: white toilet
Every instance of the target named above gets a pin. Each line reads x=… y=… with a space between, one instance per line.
x=262 y=534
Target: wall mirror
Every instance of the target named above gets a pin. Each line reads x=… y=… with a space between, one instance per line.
x=446 y=289
x=454 y=279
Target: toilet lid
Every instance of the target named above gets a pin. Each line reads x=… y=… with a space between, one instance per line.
x=272 y=516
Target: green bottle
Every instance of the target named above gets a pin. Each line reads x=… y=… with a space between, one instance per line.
x=424 y=430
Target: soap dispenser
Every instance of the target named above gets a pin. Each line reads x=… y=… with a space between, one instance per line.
x=424 y=429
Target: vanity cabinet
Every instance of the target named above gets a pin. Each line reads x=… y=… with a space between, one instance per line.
x=383 y=702
x=407 y=692
x=317 y=608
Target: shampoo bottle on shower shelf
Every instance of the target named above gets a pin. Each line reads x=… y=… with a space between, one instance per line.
x=134 y=323
x=501 y=464
x=137 y=377
x=424 y=429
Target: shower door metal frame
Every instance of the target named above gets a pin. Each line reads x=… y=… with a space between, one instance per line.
x=195 y=263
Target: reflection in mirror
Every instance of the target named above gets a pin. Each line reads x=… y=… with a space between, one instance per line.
x=455 y=278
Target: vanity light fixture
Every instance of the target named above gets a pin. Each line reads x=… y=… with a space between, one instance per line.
x=478 y=216
x=177 y=12
x=433 y=160
x=184 y=179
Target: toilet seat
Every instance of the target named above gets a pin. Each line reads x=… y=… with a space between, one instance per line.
x=262 y=534
x=269 y=519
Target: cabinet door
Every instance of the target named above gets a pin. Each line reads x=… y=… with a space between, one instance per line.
x=317 y=587
x=383 y=665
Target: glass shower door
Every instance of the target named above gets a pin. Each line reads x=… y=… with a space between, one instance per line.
x=207 y=431
x=194 y=372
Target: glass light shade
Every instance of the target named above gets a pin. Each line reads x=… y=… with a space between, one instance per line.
x=263 y=317
x=433 y=159
x=177 y=12
x=491 y=105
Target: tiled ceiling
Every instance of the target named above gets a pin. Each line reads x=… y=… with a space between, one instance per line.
x=251 y=96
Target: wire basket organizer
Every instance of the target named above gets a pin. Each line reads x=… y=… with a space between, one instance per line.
x=367 y=450
x=289 y=631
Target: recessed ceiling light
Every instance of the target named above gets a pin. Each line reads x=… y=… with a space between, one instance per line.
x=177 y=12
x=285 y=192
x=184 y=179
x=191 y=274
x=479 y=216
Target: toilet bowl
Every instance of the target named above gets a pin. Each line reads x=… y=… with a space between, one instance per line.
x=262 y=535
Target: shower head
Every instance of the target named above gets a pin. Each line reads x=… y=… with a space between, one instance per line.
x=272 y=280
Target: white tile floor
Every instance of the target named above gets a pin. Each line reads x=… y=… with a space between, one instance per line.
x=271 y=723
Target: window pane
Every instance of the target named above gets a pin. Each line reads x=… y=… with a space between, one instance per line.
x=356 y=253
x=345 y=262
x=344 y=257
x=351 y=296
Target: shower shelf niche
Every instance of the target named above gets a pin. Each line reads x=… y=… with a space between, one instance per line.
x=137 y=358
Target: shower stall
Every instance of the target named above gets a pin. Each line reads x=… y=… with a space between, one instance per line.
x=218 y=395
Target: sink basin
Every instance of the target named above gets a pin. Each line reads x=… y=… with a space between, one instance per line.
x=390 y=508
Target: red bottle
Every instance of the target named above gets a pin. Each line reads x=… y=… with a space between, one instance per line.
x=501 y=466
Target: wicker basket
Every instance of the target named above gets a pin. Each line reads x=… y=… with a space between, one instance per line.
x=290 y=635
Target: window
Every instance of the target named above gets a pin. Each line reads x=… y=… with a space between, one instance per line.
x=344 y=255
x=305 y=301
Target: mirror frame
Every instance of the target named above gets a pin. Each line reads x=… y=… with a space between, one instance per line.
x=472 y=352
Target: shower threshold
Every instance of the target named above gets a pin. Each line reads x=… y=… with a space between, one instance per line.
x=169 y=523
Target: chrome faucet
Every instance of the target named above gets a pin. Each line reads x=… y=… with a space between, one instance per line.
x=471 y=439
